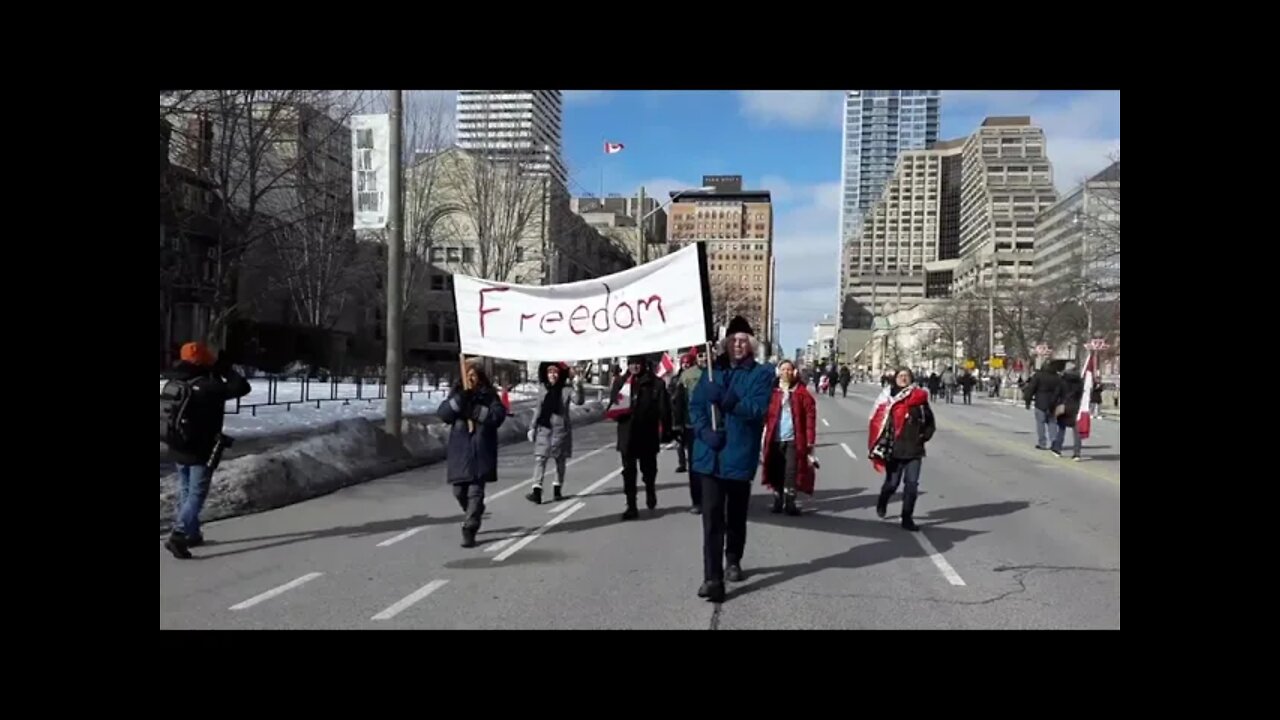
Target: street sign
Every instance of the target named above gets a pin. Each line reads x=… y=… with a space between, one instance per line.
x=1098 y=344
x=997 y=363
x=999 y=352
x=970 y=364
x=1043 y=350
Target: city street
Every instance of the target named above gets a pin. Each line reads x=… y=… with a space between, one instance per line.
x=1012 y=538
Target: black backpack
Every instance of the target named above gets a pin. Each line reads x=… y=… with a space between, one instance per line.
x=177 y=426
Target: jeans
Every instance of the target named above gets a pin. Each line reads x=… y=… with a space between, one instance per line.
x=1045 y=427
x=951 y=393
x=724 y=512
x=1095 y=409
x=470 y=497
x=193 y=488
x=968 y=396
x=1061 y=435
x=902 y=472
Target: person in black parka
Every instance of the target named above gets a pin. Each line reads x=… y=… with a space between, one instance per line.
x=475 y=416
x=641 y=431
x=1042 y=392
x=1069 y=396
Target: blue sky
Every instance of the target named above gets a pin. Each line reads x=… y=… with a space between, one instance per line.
x=789 y=142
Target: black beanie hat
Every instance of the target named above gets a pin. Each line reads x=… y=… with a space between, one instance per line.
x=739 y=324
x=642 y=360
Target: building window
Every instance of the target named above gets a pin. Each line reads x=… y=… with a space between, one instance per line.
x=454 y=254
x=468 y=254
x=437 y=254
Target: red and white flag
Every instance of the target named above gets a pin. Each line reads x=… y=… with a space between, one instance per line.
x=1090 y=377
x=611 y=148
x=665 y=366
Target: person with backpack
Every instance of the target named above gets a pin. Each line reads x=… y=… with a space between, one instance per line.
x=639 y=403
x=552 y=431
x=475 y=412
x=192 y=412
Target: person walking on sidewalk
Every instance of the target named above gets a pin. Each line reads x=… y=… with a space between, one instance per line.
x=1066 y=405
x=728 y=411
x=845 y=377
x=1042 y=391
x=552 y=431
x=642 y=421
x=475 y=412
x=948 y=384
x=1095 y=400
x=790 y=433
x=901 y=423
x=192 y=412
x=967 y=381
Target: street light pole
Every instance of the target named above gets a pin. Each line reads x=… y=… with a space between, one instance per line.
x=640 y=216
x=395 y=256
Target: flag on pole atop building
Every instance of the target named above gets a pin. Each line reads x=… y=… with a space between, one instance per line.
x=612 y=148
x=1090 y=377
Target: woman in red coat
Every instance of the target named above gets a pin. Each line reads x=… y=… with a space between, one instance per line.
x=789 y=434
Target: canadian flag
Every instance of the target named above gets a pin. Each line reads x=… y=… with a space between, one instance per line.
x=1082 y=416
x=612 y=148
x=665 y=367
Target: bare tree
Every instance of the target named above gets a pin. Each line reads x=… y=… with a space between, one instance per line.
x=317 y=262
x=729 y=297
x=501 y=204
x=1029 y=316
x=255 y=149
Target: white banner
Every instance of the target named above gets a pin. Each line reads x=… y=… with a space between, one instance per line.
x=370 y=170
x=645 y=309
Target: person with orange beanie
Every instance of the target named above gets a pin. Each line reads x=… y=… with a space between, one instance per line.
x=191 y=417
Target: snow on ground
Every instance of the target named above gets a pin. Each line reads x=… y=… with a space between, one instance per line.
x=281 y=418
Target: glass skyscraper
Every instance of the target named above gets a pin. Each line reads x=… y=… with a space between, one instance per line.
x=878 y=124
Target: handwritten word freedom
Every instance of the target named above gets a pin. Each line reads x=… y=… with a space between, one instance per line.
x=621 y=315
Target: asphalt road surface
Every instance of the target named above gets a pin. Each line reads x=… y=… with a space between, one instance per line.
x=1012 y=537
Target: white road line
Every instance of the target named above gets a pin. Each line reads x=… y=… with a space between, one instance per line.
x=498 y=545
x=824 y=422
x=526 y=540
x=561 y=506
x=402 y=536
x=848 y=450
x=592 y=487
x=410 y=599
x=276 y=591
x=573 y=461
x=948 y=572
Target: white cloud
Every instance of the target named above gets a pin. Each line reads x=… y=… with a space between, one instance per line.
x=806 y=230
x=804 y=109
x=585 y=97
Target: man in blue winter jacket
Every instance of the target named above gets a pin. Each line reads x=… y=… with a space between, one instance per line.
x=737 y=391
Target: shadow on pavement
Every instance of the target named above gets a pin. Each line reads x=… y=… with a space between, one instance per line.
x=615 y=518
x=640 y=492
x=527 y=556
x=373 y=528
x=890 y=541
x=1105 y=457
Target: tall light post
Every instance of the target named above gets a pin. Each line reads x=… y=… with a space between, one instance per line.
x=395 y=257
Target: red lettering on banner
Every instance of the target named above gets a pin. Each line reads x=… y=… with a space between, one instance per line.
x=644 y=305
x=585 y=314
x=604 y=310
x=559 y=316
x=483 y=311
x=631 y=313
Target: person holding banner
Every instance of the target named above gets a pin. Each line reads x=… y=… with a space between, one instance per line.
x=475 y=412
x=552 y=431
x=728 y=412
x=639 y=403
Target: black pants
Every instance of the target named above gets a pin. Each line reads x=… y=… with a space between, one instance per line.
x=470 y=497
x=648 y=468
x=684 y=446
x=782 y=467
x=968 y=396
x=844 y=388
x=724 y=507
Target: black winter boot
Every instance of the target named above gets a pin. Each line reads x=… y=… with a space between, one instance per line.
x=882 y=503
x=468 y=537
x=631 y=512
x=177 y=544
x=777 y=503
x=556 y=491
x=651 y=495
x=908 y=509
x=713 y=591
x=535 y=495
x=791 y=508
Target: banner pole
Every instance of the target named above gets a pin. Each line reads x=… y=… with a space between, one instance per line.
x=466 y=385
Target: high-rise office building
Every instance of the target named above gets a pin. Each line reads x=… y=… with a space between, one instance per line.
x=878 y=125
x=737 y=226
x=1007 y=182
x=525 y=124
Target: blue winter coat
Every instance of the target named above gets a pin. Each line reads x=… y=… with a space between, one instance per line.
x=473 y=456
x=751 y=384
